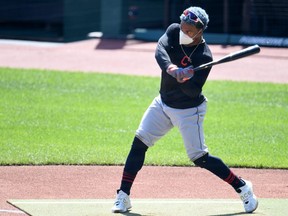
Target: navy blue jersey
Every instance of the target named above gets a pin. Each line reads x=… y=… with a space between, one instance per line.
x=188 y=94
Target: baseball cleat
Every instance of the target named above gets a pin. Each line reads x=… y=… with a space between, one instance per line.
x=122 y=203
x=248 y=198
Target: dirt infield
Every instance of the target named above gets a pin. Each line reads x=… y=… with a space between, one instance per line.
x=137 y=58
x=92 y=182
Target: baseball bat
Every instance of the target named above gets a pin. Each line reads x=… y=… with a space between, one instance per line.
x=251 y=50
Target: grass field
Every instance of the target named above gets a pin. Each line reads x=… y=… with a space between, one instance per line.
x=50 y=117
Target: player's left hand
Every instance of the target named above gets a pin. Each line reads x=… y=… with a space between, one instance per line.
x=184 y=74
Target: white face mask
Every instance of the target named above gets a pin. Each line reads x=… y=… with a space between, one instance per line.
x=185 y=39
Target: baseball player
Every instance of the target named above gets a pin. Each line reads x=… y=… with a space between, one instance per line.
x=180 y=104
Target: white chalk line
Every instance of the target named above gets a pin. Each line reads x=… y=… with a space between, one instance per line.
x=29 y=43
x=11 y=211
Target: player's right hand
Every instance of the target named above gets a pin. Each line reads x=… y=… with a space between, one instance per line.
x=180 y=74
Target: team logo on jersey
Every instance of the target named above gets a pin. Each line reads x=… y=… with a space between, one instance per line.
x=185 y=61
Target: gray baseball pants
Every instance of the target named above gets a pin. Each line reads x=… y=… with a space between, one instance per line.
x=159 y=119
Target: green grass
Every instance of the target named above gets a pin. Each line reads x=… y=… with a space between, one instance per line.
x=50 y=117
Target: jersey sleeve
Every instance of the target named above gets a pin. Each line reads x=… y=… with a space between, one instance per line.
x=165 y=43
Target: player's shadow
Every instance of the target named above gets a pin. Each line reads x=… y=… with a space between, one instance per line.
x=110 y=44
x=239 y=213
x=132 y=214
x=229 y=214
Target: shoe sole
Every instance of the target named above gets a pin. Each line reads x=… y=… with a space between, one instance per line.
x=254 y=208
x=119 y=211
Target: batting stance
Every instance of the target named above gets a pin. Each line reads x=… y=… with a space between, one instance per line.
x=180 y=104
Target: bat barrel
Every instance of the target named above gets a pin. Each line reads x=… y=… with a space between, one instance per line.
x=241 y=54
x=251 y=50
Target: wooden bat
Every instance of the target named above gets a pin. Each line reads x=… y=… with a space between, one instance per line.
x=251 y=50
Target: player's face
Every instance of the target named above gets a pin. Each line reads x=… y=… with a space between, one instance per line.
x=191 y=31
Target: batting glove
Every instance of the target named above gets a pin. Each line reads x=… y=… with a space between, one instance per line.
x=181 y=74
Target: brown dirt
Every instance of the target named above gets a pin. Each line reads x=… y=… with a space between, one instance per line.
x=91 y=182
x=137 y=58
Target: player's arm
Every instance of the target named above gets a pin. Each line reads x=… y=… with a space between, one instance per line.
x=164 y=47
